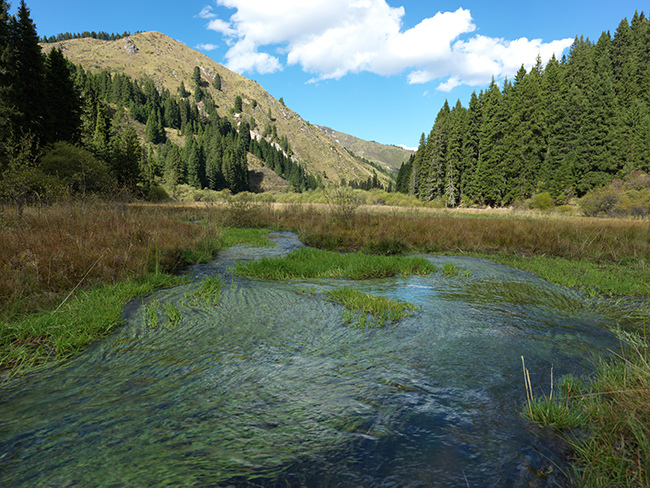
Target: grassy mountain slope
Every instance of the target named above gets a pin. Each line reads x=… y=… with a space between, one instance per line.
x=168 y=62
x=388 y=157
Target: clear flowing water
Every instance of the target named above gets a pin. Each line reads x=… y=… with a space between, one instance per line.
x=271 y=388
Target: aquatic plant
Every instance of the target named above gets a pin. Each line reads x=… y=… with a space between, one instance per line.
x=381 y=309
x=313 y=263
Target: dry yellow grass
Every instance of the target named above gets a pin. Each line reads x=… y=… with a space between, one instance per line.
x=54 y=249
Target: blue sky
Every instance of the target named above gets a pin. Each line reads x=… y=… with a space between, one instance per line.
x=376 y=69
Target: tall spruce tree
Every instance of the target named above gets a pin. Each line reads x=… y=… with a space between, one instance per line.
x=63 y=103
x=27 y=75
x=7 y=111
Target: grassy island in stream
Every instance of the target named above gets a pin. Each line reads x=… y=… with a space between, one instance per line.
x=313 y=263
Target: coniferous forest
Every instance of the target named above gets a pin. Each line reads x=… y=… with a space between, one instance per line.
x=64 y=130
x=565 y=128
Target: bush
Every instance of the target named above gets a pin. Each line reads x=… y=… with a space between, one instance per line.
x=601 y=200
x=157 y=194
x=542 y=201
x=77 y=169
x=343 y=202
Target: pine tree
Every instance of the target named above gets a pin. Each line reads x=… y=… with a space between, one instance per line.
x=182 y=92
x=126 y=157
x=635 y=139
x=490 y=184
x=432 y=176
x=404 y=176
x=416 y=169
x=471 y=153
x=154 y=129
x=525 y=138
x=567 y=157
x=621 y=49
x=456 y=142
x=7 y=111
x=217 y=82
x=63 y=108
x=28 y=72
x=196 y=76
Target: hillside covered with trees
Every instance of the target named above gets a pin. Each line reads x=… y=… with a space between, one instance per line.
x=64 y=130
x=564 y=129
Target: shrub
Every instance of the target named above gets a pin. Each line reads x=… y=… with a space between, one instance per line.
x=76 y=168
x=157 y=194
x=600 y=200
x=542 y=201
x=343 y=202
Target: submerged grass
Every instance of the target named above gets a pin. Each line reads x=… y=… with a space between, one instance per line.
x=67 y=271
x=57 y=335
x=313 y=263
x=381 y=309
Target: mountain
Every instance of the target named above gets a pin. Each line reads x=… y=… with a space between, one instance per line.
x=386 y=156
x=168 y=63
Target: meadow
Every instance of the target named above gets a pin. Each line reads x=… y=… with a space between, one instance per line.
x=68 y=269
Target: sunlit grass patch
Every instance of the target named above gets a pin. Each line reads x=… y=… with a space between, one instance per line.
x=381 y=309
x=450 y=270
x=313 y=263
x=590 y=277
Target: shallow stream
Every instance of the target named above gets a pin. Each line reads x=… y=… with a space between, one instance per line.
x=271 y=388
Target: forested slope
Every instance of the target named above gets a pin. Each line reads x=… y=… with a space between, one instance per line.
x=564 y=128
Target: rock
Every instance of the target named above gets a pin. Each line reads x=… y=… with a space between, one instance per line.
x=130 y=46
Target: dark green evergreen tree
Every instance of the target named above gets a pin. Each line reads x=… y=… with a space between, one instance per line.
x=196 y=76
x=126 y=156
x=27 y=75
x=7 y=110
x=63 y=110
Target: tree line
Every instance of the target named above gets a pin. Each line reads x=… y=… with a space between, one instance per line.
x=564 y=128
x=101 y=35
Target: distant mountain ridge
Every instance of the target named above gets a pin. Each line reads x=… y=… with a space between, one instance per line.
x=387 y=156
x=168 y=63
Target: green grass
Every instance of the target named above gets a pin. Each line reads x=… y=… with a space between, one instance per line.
x=29 y=341
x=55 y=336
x=630 y=279
x=205 y=250
x=251 y=237
x=381 y=309
x=313 y=263
x=606 y=421
x=208 y=293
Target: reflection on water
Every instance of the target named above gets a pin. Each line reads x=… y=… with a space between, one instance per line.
x=271 y=388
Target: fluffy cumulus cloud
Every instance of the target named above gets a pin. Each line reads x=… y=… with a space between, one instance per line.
x=332 y=38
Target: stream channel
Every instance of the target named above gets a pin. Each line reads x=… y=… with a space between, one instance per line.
x=270 y=387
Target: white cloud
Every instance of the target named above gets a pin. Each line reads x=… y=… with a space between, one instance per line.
x=332 y=38
x=207 y=47
x=207 y=13
x=222 y=27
